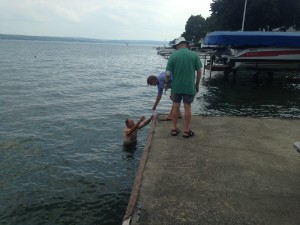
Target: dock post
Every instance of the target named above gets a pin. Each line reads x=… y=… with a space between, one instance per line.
x=234 y=76
x=204 y=65
x=270 y=77
x=226 y=74
x=210 y=68
x=256 y=77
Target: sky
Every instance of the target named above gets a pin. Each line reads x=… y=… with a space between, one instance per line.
x=159 y=20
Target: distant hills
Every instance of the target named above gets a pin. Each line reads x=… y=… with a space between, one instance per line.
x=77 y=39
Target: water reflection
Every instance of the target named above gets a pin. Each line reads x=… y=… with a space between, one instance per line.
x=248 y=98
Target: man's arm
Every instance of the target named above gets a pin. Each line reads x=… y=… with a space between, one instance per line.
x=136 y=126
x=167 y=78
x=158 y=97
x=198 y=80
x=146 y=122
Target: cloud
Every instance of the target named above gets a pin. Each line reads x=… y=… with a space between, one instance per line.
x=105 y=19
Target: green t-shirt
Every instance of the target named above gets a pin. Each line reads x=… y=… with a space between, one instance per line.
x=182 y=64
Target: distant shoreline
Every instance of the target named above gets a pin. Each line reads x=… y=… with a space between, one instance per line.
x=78 y=39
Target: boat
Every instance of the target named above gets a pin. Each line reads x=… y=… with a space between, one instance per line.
x=254 y=50
x=165 y=51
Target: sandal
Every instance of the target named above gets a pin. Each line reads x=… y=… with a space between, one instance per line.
x=187 y=134
x=175 y=132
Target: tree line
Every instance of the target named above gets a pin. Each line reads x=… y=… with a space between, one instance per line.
x=227 y=15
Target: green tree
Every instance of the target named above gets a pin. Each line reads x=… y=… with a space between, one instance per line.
x=195 y=29
x=212 y=24
x=227 y=14
x=260 y=14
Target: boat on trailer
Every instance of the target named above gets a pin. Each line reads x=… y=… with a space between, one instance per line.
x=255 y=50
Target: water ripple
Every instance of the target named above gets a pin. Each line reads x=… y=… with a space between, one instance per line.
x=63 y=107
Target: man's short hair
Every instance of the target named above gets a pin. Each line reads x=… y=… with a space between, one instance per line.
x=150 y=79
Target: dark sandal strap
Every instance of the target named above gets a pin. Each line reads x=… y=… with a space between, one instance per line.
x=188 y=134
x=175 y=132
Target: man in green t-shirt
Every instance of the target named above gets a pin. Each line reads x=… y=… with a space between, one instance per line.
x=182 y=64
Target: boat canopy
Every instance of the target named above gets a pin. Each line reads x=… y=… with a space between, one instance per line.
x=253 y=38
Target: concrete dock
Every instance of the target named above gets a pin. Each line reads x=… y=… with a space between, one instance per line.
x=235 y=170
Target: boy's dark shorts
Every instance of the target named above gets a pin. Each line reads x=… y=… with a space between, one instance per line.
x=187 y=99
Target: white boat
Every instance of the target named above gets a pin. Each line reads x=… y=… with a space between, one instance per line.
x=165 y=51
x=269 y=59
x=268 y=51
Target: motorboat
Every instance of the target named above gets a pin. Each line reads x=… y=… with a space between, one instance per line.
x=255 y=50
x=165 y=51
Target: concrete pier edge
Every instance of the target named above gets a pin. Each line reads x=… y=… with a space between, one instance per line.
x=246 y=171
x=137 y=183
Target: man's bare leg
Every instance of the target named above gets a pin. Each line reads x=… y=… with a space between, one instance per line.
x=175 y=113
x=170 y=115
x=188 y=115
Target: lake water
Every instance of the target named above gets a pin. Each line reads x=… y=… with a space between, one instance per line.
x=62 y=112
